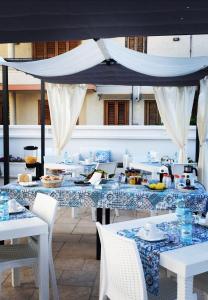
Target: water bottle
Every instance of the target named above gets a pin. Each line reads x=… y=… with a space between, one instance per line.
x=176 y=157
x=65 y=157
x=180 y=207
x=186 y=227
x=148 y=156
x=4 y=208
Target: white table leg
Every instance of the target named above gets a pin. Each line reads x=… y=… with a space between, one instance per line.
x=43 y=265
x=185 y=288
x=74 y=212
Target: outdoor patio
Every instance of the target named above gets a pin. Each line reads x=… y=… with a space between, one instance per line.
x=77 y=270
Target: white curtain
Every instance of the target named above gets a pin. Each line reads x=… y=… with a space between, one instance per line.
x=91 y=53
x=175 y=107
x=65 y=103
x=202 y=123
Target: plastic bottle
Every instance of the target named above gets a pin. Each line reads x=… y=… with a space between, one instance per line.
x=65 y=157
x=4 y=208
x=186 y=227
x=180 y=206
x=126 y=159
x=148 y=156
x=168 y=182
x=176 y=180
x=176 y=157
x=164 y=178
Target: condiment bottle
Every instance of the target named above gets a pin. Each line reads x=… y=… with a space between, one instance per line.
x=176 y=180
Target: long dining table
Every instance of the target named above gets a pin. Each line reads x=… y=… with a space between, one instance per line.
x=110 y=196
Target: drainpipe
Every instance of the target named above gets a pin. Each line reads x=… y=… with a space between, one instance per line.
x=132 y=105
x=191 y=42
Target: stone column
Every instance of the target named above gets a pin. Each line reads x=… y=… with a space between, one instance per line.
x=12 y=108
x=11 y=50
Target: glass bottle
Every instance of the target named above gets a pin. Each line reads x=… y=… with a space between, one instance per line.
x=4 y=207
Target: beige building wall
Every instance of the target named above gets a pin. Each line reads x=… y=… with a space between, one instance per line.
x=92 y=112
x=4 y=50
x=27 y=108
x=23 y=50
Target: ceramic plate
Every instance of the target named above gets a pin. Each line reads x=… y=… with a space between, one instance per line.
x=157 y=238
x=32 y=183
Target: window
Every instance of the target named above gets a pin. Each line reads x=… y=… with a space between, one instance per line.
x=47 y=113
x=49 y=49
x=151 y=113
x=137 y=43
x=116 y=112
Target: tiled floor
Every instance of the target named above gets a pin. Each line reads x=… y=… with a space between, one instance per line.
x=77 y=270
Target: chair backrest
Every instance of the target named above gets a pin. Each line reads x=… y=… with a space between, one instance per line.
x=45 y=207
x=122 y=264
x=109 y=168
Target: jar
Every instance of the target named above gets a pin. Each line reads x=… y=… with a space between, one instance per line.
x=132 y=180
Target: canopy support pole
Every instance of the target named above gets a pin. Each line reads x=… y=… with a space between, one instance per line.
x=197 y=134
x=42 y=121
x=5 y=123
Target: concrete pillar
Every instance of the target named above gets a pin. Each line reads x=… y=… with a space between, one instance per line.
x=11 y=50
x=12 y=108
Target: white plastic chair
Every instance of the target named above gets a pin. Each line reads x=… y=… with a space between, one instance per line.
x=121 y=274
x=109 y=168
x=21 y=255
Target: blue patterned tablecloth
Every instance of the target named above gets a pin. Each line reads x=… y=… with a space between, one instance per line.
x=133 y=197
x=150 y=251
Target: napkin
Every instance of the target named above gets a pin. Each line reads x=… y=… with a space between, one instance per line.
x=96 y=178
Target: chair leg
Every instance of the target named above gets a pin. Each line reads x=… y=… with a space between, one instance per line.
x=53 y=278
x=93 y=211
x=116 y=212
x=15 y=277
x=35 y=271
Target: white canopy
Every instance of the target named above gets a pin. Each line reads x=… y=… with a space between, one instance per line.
x=92 y=53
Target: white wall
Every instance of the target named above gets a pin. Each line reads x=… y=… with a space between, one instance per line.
x=137 y=139
x=165 y=46
x=195 y=45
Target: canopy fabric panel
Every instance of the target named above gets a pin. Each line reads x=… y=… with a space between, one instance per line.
x=80 y=64
x=37 y=20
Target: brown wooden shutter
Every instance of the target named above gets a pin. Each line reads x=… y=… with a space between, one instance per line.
x=47 y=113
x=116 y=112
x=39 y=50
x=49 y=49
x=123 y=112
x=152 y=116
x=137 y=43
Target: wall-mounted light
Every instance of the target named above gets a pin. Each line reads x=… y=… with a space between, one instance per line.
x=176 y=39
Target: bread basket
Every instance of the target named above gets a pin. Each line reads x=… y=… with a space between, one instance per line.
x=51 y=181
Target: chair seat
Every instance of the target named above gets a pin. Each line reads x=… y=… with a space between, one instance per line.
x=168 y=290
x=15 y=252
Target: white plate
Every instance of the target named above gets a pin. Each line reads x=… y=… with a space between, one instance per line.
x=156 y=238
x=31 y=183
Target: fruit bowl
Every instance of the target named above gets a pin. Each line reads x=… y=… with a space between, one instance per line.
x=156 y=186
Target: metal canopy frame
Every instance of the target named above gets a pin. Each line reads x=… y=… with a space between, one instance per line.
x=37 y=20
x=6 y=123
